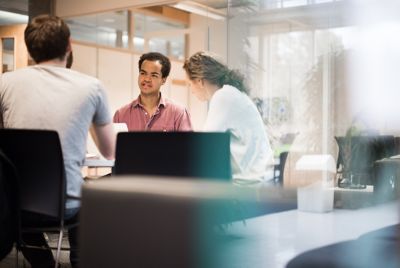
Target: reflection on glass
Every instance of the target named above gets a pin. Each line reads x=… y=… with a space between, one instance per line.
x=7 y=54
x=108 y=29
x=160 y=45
x=271 y=4
x=111 y=29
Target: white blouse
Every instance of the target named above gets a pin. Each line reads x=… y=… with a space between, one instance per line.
x=233 y=111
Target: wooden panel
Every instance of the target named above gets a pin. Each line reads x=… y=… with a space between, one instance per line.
x=179 y=82
x=168 y=13
x=80 y=7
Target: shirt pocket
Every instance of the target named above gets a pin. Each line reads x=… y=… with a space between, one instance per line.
x=164 y=128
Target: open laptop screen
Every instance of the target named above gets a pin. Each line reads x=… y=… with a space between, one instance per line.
x=187 y=154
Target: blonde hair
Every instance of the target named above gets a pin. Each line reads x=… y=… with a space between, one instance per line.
x=205 y=66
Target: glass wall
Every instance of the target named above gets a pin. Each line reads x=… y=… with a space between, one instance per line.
x=131 y=30
x=108 y=29
x=299 y=57
x=293 y=54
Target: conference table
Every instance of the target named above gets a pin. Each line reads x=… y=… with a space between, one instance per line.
x=95 y=166
x=274 y=239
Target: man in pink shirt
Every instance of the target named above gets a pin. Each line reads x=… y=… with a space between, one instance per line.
x=151 y=111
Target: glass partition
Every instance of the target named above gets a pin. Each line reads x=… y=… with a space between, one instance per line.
x=293 y=55
x=114 y=29
x=319 y=70
x=108 y=29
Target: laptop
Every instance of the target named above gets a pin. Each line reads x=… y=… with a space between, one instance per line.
x=179 y=154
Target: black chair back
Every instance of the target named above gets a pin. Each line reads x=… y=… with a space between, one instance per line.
x=182 y=154
x=9 y=219
x=37 y=156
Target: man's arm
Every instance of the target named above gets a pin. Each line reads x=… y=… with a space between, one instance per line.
x=104 y=137
x=183 y=122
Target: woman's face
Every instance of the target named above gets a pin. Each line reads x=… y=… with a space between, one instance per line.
x=198 y=89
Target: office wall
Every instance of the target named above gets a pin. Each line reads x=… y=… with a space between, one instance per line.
x=116 y=72
x=101 y=63
x=85 y=59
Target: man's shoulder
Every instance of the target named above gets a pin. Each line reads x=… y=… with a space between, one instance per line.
x=63 y=73
x=82 y=77
x=18 y=72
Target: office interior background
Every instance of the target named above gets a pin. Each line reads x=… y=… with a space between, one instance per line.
x=315 y=68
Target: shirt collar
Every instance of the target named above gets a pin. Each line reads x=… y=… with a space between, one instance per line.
x=136 y=103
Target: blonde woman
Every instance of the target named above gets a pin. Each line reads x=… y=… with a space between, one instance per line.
x=230 y=109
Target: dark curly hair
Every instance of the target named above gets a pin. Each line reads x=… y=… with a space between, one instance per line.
x=155 y=56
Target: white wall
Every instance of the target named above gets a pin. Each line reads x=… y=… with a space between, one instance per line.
x=177 y=92
x=85 y=59
x=116 y=72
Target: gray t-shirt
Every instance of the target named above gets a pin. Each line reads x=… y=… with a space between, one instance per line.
x=55 y=98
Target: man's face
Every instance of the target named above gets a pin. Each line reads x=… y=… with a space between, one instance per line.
x=150 y=79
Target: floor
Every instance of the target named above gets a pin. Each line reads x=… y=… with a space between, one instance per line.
x=10 y=261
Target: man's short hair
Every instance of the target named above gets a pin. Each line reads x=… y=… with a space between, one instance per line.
x=155 y=56
x=47 y=38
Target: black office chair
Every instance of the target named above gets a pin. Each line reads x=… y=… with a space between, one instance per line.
x=280 y=168
x=37 y=156
x=178 y=154
x=9 y=220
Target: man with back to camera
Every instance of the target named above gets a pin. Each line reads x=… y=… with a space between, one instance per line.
x=48 y=95
x=151 y=111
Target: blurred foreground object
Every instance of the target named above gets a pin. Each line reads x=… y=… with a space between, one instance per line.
x=140 y=221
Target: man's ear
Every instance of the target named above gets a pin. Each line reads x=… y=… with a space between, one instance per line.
x=69 y=46
x=164 y=79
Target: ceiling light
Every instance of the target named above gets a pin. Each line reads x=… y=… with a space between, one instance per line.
x=200 y=9
x=12 y=18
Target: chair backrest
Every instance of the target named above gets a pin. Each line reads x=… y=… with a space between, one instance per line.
x=281 y=167
x=163 y=222
x=9 y=220
x=182 y=154
x=37 y=156
x=364 y=150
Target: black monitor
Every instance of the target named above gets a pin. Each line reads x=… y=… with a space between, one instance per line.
x=181 y=154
